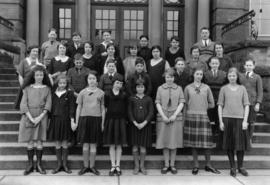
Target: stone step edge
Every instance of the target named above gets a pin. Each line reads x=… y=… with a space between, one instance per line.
x=10 y=112
x=259 y=158
x=5 y=95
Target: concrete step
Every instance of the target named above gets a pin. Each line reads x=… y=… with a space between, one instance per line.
x=7 y=106
x=8 y=76
x=9 y=70
x=9 y=83
x=15 y=148
x=261 y=137
x=262 y=127
x=8 y=97
x=10 y=115
x=9 y=90
x=9 y=125
x=152 y=162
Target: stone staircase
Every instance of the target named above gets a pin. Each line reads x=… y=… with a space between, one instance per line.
x=13 y=154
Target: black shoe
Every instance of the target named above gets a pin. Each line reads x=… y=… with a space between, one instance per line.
x=94 y=171
x=118 y=171
x=211 y=169
x=233 y=172
x=56 y=170
x=243 y=171
x=173 y=170
x=112 y=171
x=28 y=170
x=66 y=169
x=195 y=170
x=165 y=169
x=83 y=171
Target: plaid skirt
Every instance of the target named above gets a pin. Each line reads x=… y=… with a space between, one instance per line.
x=198 y=131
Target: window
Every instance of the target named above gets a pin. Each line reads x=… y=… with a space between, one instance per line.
x=105 y=20
x=65 y=22
x=133 y=23
x=262 y=17
x=172 y=20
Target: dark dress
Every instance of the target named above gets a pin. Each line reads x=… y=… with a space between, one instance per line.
x=156 y=76
x=57 y=65
x=225 y=63
x=71 y=50
x=131 y=83
x=63 y=109
x=91 y=63
x=183 y=79
x=139 y=110
x=115 y=119
x=145 y=53
x=119 y=65
x=170 y=57
x=101 y=48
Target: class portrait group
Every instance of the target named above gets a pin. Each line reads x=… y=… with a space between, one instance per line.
x=76 y=94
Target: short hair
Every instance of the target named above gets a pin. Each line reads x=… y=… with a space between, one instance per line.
x=139 y=60
x=78 y=56
x=250 y=59
x=106 y=31
x=90 y=44
x=61 y=44
x=194 y=47
x=109 y=45
x=29 y=49
x=144 y=36
x=52 y=29
x=175 y=38
x=140 y=81
x=204 y=28
x=76 y=34
x=218 y=43
x=119 y=78
x=170 y=72
x=132 y=46
x=91 y=72
x=213 y=57
x=156 y=47
x=233 y=69
x=110 y=61
x=179 y=59
x=62 y=76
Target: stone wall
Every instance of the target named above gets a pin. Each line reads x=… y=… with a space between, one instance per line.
x=224 y=12
x=260 y=52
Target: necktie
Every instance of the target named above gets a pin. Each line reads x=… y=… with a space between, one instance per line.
x=110 y=77
x=170 y=101
x=205 y=43
x=247 y=75
x=215 y=73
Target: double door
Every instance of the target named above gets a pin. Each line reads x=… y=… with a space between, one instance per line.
x=126 y=24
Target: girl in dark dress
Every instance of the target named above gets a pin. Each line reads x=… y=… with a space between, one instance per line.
x=225 y=60
x=144 y=51
x=140 y=113
x=174 y=51
x=115 y=123
x=156 y=68
x=89 y=60
x=90 y=116
x=62 y=121
x=59 y=64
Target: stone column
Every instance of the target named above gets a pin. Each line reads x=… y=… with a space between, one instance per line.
x=46 y=19
x=32 y=22
x=191 y=10
x=203 y=15
x=83 y=22
x=155 y=17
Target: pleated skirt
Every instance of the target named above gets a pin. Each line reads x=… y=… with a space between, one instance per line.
x=60 y=129
x=89 y=130
x=234 y=137
x=141 y=137
x=198 y=131
x=115 y=131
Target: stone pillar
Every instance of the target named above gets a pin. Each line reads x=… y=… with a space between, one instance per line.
x=155 y=21
x=191 y=9
x=32 y=22
x=83 y=18
x=203 y=15
x=46 y=19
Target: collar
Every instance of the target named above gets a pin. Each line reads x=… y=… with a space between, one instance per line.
x=165 y=86
x=250 y=73
x=111 y=74
x=105 y=44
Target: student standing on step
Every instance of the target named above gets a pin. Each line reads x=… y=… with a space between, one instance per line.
x=233 y=109
x=169 y=102
x=24 y=69
x=35 y=105
x=144 y=51
x=114 y=133
x=90 y=116
x=254 y=86
x=59 y=64
x=215 y=78
x=197 y=128
x=182 y=75
x=62 y=122
x=89 y=59
x=174 y=51
x=140 y=113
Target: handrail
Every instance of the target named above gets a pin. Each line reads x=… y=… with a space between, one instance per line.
x=237 y=22
x=6 y=23
x=10 y=48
